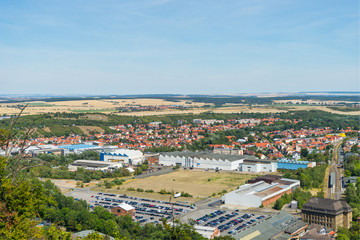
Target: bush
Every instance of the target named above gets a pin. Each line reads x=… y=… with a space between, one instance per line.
x=162 y=191
x=184 y=194
x=140 y=190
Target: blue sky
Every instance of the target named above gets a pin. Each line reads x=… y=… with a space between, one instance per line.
x=178 y=46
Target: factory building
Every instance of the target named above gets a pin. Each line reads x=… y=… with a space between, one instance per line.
x=258 y=166
x=280 y=225
x=77 y=148
x=327 y=212
x=207 y=121
x=125 y=156
x=293 y=164
x=260 y=193
x=209 y=160
x=94 y=165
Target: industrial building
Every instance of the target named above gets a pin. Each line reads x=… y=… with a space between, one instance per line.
x=48 y=148
x=327 y=212
x=79 y=148
x=260 y=193
x=207 y=121
x=293 y=164
x=209 y=160
x=258 y=166
x=266 y=178
x=94 y=165
x=125 y=156
x=280 y=225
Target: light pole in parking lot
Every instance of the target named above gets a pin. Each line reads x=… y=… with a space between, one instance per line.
x=172 y=214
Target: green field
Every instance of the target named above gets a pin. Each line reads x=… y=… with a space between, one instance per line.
x=35 y=104
x=94 y=111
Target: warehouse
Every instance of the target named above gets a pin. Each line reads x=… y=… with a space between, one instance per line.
x=260 y=193
x=258 y=166
x=94 y=165
x=209 y=160
x=280 y=225
x=77 y=148
x=126 y=156
x=294 y=165
x=205 y=160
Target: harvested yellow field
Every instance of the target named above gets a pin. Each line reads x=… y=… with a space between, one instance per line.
x=309 y=101
x=325 y=109
x=200 y=184
x=109 y=106
x=100 y=106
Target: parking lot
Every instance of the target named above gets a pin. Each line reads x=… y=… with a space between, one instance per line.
x=147 y=210
x=227 y=221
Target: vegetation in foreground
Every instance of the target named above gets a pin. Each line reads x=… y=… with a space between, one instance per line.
x=25 y=202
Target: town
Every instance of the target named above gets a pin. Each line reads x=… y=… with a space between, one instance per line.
x=272 y=174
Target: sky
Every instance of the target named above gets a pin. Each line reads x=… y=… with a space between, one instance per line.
x=178 y=46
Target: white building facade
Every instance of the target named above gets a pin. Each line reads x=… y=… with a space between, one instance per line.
x=260 y=193
x=207 y=160
x=126 y=156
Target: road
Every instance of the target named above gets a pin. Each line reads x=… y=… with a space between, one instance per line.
x=336 y=191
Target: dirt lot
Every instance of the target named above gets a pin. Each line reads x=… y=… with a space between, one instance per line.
x=65 y=184
x=88 y=129
x=200 y=184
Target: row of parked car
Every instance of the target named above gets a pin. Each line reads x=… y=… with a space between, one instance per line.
x=207 y=217
x=155 y=201
x=146 y=209
x=161 y=209
x=145 y=199
x=244 y=225
x=222 y=219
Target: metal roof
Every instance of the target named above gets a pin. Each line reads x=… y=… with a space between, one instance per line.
x=205 y=155
x=270 y=227
x=73 y=147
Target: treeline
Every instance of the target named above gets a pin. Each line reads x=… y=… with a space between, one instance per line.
x=80 y=174
x=309 y=177
x=64 y=124
x=299 y=195
x=61 y=160
x=352 y=165
x=22 y=200
x=352 y=197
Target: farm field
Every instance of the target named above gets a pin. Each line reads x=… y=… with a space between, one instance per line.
x=87 y=106
x=199 y=184
x=109 y=106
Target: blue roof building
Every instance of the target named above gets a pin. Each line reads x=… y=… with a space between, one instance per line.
x=293 y=164
x=73 y=147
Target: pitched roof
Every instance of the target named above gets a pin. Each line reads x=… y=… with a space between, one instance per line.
x=326 y=205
